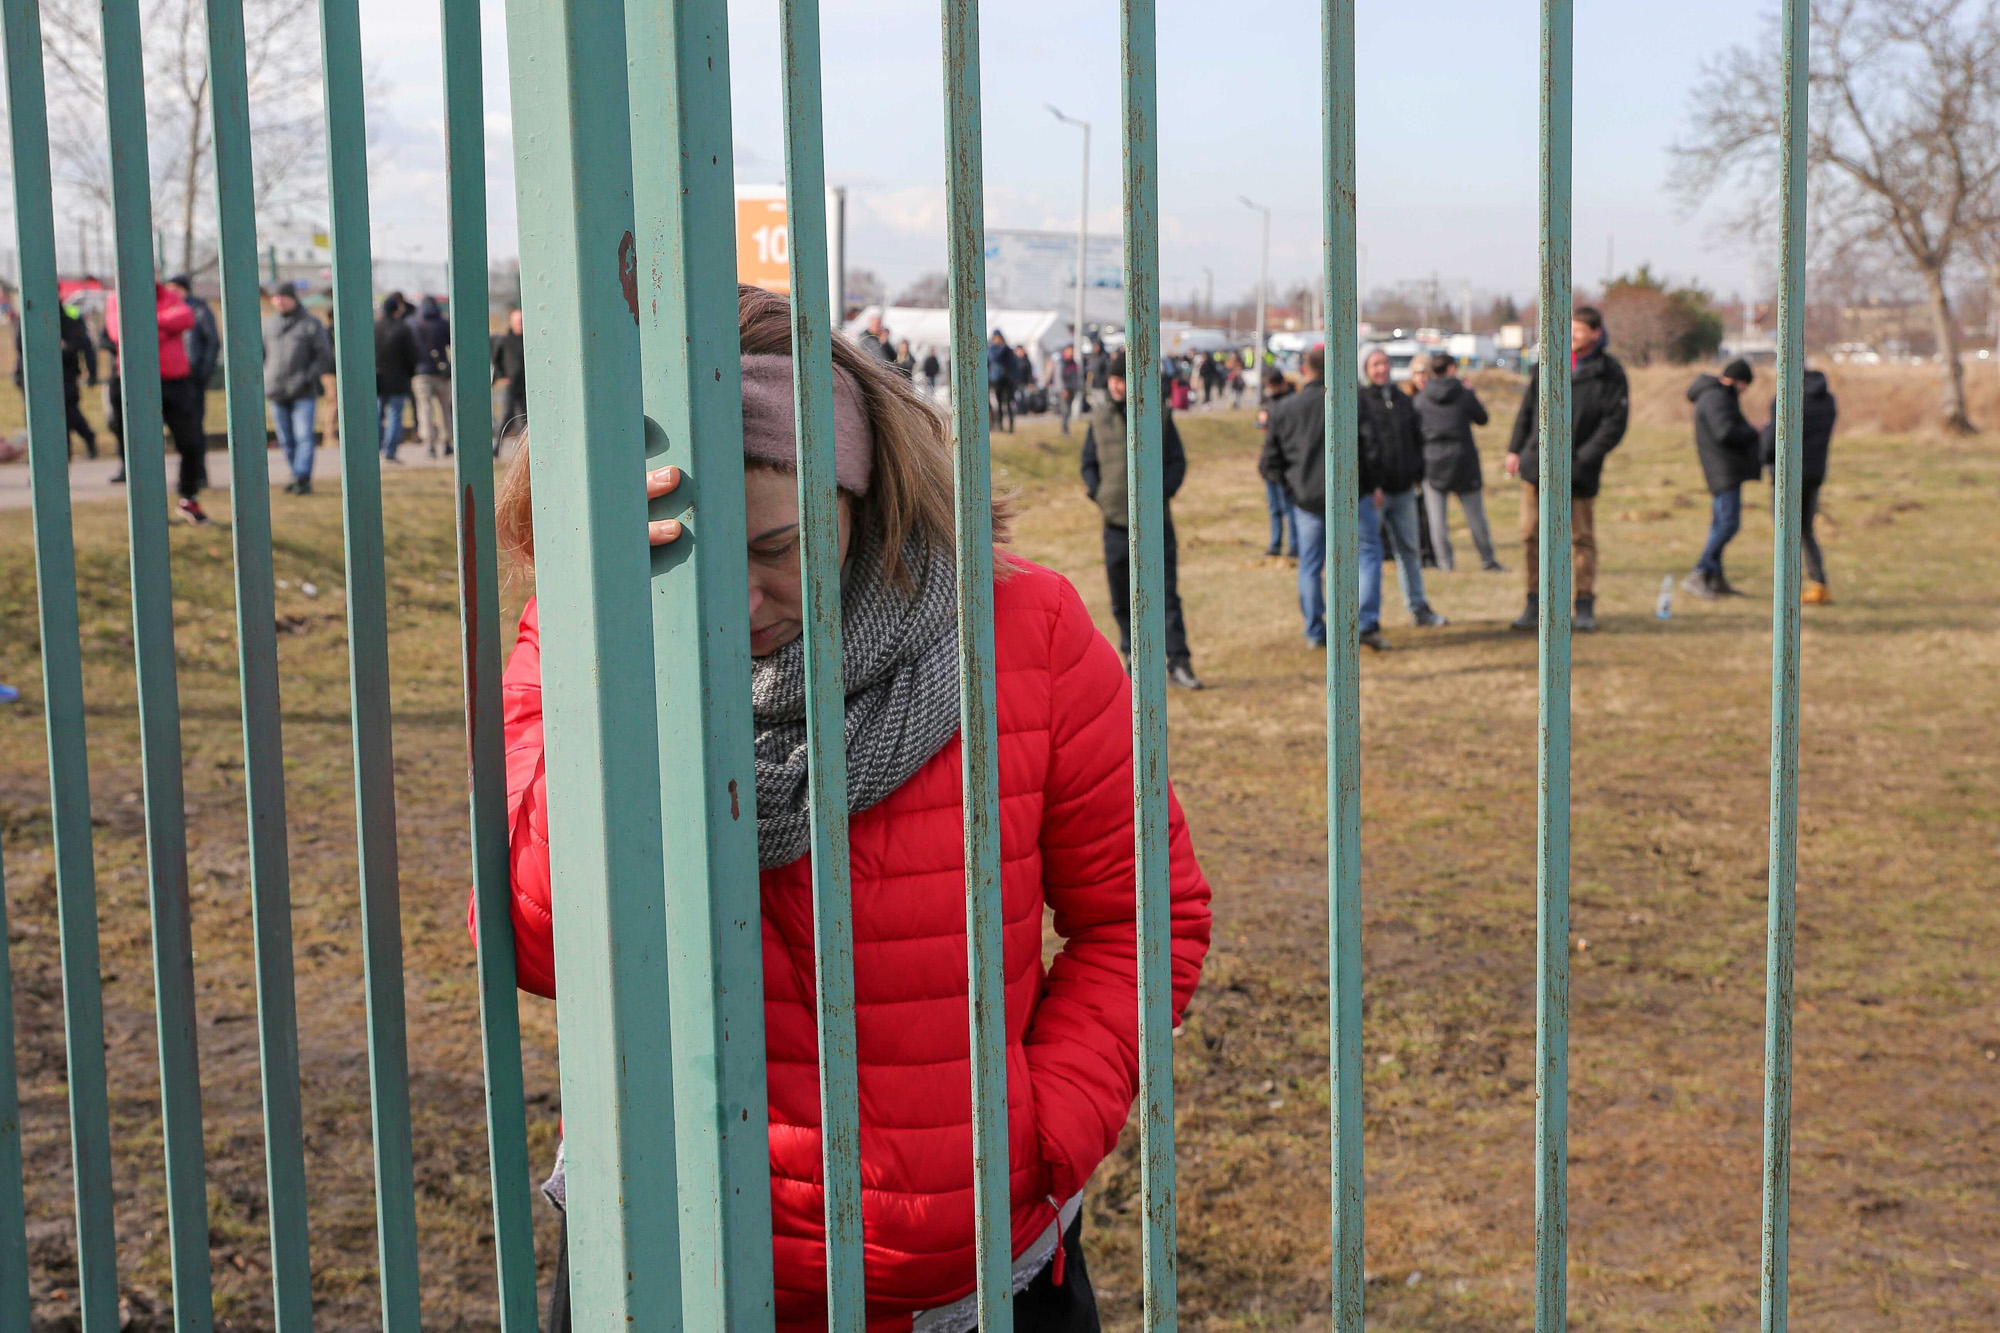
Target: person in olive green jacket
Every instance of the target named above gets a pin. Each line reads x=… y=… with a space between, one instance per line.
x=1104 y=482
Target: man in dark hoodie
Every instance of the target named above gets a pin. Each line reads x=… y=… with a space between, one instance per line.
x=1600 y=407
x=432 y=382
x=1820 y=412
x=1104 y=480
x=1447 y=410
x=1727 y=445
x=395 y=370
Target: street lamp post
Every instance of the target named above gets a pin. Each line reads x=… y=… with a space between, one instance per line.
x=1263 y=292
x=1208 y=300
x=1082 y=234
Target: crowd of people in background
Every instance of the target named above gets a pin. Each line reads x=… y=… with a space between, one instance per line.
x=413 y=369
x=1416 y=445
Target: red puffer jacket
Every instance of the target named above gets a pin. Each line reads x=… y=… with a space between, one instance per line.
x=1072 y=1030
x=175 y=318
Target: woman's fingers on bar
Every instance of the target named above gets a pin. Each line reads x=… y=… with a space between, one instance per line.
x=663 y=531
x=660 y=481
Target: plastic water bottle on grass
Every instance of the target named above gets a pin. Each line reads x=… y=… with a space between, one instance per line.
x=1664 y=609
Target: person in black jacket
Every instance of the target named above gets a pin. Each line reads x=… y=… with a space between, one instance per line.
x=395 y=370
x=1104 y=480
x=1271 y=467
x=1600 y=406
x=432 y=382
x=1447 y=410
x=510 y=371
x=1820 y=412
x=79 y=359
x=1298 y=439
x=1727 y=445
x=1389 y=432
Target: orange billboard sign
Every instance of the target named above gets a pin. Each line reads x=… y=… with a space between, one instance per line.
x=764 y=240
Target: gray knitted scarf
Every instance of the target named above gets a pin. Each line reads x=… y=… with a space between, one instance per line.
x=901 y=668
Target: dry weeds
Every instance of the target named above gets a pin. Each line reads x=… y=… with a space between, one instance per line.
x=1897 y=1187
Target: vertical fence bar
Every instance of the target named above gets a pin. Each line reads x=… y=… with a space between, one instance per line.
x=1146 y=514
x=972 y=487
x=153 y=665
x=368 y=662
x=1552 y=730
x=257 y=651
x=479 y=642
x=14 y=1298
x=1343 y=666
x=1784 y=849
x=826 y=694
x=62 y=671
x=684 y=204
x=573 y=172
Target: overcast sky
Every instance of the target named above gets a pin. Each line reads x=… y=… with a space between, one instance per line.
x=1447 y=132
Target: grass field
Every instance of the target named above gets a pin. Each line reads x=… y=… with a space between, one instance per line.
x=1897 y=1179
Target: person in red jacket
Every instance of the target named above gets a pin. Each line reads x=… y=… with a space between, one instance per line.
x=180 y=393
x=1065 y=766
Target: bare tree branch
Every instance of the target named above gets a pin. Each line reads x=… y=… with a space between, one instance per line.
x=287 y=131
x=1903 y=145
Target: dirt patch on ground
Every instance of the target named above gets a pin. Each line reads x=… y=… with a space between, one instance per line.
x=1897 y=1186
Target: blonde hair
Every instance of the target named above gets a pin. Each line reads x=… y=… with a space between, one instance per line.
x=910 y=494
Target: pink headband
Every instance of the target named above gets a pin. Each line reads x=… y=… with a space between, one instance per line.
x=770 y=428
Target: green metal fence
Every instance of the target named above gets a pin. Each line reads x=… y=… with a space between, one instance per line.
x=623 y=155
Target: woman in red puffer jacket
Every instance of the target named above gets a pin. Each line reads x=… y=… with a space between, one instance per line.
x=1065 y=765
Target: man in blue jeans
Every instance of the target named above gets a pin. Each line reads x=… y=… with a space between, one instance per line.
x=1728 y=446
x=1271 y=468
x=297 y=354
x=1393 y=442
x=396 y=358
x=1298 y=442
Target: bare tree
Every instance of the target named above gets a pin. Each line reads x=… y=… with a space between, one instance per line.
x=1903 y=142
x=281 y=40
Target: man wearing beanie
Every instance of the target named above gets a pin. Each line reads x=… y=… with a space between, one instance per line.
x=1727 y=444
x=1104 y=480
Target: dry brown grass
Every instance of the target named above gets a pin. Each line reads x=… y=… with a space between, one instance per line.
x=1874 y=400
x=1897 y=1182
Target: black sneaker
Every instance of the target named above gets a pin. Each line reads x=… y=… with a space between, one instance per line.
x=118 y=477
x=1529 y=619
x=292 y=487
x=1584 y=619
x=1372 y=638
x=1493 y=567
x=1425 y=618
x=1725 y=588
x=1182 y=674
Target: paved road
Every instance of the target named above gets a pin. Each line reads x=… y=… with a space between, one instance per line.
x=90 y=478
